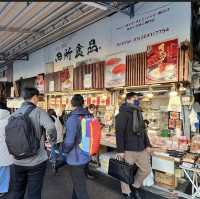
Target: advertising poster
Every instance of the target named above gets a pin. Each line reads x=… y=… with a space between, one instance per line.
x=66 y=77
x=51 y=86
x=40 y=83
x=162 y=62
x=115 y=69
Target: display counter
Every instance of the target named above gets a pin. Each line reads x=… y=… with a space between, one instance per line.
x=167 y=131
x=108 y=140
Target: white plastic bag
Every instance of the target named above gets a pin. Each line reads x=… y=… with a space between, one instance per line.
x=149 y=180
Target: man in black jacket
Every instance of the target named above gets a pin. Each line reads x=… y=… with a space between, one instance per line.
x=132 y=143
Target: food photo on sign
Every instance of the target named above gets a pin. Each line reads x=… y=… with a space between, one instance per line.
x=115 y=69
x=162 y=62
x=66 y=77
x=40 y=83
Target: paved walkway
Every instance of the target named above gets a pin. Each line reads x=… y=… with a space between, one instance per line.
x=60 y=187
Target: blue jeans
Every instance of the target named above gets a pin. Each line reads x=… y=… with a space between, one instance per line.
x=30 y=178
x=4 y=179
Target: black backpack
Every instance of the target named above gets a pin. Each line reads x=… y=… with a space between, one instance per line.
x=21 y=138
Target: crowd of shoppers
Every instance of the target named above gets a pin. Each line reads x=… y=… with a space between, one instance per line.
x=28 y=173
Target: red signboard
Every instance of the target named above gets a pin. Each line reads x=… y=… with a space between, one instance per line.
x=162 y=62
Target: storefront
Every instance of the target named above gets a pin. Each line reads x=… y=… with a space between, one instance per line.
x=149 y=54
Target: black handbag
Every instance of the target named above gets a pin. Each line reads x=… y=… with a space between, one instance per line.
x=122 y=171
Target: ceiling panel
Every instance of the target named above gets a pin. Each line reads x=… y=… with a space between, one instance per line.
x=56 y=15
x=47 y=13
x=23 y=17
x=11 y=12
x=37 y=8
x=3 y=6
x=5 y=44
x=39 y=23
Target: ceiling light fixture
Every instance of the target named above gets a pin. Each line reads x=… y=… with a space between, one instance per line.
x=96 y=5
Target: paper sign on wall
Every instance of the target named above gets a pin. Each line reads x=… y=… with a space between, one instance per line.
x=88 y=80
x=51 y=86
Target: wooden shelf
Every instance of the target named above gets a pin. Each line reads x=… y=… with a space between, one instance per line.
x=71 y=92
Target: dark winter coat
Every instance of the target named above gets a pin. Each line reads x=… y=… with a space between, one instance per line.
x=130 y=129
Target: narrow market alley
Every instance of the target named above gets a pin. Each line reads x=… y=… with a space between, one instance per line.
x=103 y=187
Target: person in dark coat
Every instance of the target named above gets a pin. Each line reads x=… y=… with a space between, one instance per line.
x=132 y=142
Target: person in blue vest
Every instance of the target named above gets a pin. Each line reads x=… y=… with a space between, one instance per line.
x=75 y=158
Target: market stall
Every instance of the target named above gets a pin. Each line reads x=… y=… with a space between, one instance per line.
x=162 y=75
x=149 y=54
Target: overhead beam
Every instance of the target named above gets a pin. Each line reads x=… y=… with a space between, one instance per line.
x=109 y=6
x=18 y=30
x=23 y=57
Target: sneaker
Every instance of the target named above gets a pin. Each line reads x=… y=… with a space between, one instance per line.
x=126 y=196
x=2 y=194
x=136 y=194
x=90 y=176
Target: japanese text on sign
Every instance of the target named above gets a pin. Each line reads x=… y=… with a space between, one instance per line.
x=78 y=51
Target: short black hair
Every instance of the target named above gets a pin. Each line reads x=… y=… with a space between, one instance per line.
x=77 y=100
x=28 y=93
x=3 y=106
x=51 y=112
x=91 y=106
x=130 y=95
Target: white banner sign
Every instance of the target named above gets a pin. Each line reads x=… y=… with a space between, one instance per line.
x=153 y=23
x=89 y=44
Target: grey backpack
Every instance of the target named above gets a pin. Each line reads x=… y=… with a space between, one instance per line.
x=21 y=138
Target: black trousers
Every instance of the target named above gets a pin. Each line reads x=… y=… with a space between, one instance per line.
x=30 y=178
x=79 y=182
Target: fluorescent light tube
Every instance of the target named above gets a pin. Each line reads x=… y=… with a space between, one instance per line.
x=96 y=5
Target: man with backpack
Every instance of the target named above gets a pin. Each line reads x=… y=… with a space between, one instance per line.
x=24 y=138
x=79 y=129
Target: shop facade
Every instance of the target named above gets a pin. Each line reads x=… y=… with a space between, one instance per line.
x=149 y=54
